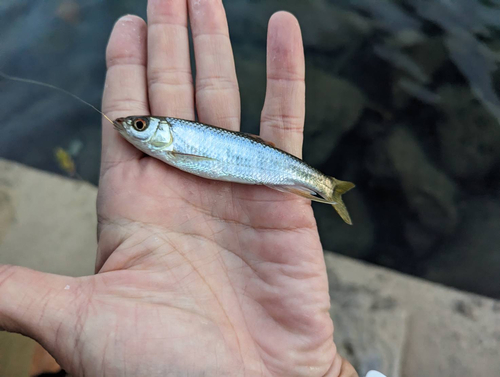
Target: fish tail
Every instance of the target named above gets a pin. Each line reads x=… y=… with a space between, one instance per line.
x=340 y=188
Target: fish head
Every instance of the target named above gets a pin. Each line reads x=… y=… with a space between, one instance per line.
x=136 y=128
x=145 y=132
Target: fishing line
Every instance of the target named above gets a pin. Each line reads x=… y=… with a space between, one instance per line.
x=28 y=81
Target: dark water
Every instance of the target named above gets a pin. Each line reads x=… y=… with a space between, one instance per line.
x=402 y=98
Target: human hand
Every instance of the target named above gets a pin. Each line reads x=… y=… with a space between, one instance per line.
x=194 y=277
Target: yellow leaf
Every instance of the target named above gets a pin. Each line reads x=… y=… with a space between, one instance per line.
x=65 y=161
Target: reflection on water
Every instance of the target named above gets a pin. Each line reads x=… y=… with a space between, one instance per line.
x=402 y=99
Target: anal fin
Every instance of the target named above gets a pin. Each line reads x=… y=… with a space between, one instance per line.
x=340 y=188
x=301 y=191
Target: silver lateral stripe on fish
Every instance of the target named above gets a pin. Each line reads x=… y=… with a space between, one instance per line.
x=224 y=155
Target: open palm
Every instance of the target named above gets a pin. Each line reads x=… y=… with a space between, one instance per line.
x=194 y=277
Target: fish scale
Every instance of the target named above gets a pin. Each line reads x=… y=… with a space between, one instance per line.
x=238 y=155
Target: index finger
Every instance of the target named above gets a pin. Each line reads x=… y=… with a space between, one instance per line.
x=125 y=90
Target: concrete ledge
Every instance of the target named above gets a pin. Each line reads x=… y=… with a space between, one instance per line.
x=447 y=332
x=47 y=222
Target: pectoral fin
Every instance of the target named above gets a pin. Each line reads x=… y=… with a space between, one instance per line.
x=189 y=157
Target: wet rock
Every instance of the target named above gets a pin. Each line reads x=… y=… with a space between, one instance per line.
x=334 y=106
x=88 y=157
x=328 y=27
x=420 y=238
x=404 y=89
x=390 y=16
x=250 y=61
x=69 y=11
x=416 y=69
x=354 y=241
x=401 y=61
x=470 y=260
x=430 y=55
x=477 y=63
x=468 y=137
x=429 y=193
x=463 y=15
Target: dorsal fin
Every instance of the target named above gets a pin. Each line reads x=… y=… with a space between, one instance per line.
x=259 y=139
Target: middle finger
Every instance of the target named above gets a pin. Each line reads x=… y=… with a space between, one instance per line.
x=169 y=69
x=217 y=93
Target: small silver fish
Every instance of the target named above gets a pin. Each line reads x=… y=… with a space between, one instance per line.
x=219 y=154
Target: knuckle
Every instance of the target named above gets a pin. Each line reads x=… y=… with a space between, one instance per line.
x=284 y=121
x=216 y=83
x=169 y=76
x=126 y=105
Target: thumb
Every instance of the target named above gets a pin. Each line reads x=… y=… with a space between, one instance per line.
x=39 y=305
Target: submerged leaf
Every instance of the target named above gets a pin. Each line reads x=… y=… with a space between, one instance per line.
x=65 y=161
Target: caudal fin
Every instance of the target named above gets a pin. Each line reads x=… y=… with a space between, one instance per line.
x=340 y=188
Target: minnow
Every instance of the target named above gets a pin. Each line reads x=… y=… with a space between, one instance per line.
x=219 y=154
x=223 y=155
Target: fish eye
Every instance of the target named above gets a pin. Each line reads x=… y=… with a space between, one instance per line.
x=140 y=124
